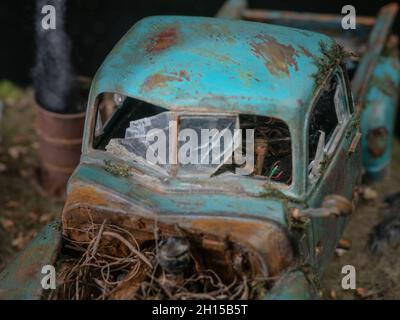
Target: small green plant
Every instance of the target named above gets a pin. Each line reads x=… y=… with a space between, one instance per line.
x=9 y=92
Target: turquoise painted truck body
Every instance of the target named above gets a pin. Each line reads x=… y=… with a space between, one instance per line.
x=191 y=66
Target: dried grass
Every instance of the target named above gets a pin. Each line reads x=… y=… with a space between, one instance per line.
x=110 y=264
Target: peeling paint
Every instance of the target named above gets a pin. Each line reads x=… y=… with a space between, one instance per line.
x=160 y=80
x=306 y=52
x=163 y=40
x=278 y=57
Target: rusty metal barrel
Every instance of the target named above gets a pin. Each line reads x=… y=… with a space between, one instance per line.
x=60 y=141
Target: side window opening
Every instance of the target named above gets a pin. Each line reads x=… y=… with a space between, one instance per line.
x=327 y=121
x=323 y=118
x=114 y=114
x=273 y=147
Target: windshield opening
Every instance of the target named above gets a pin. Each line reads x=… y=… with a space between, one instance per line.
x=193 y=144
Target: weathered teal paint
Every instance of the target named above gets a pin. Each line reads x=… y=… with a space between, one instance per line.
x=376 y=108
x=184 y=202
x=215 y=65
x=197 y=62
x=380 y=112
x=293 y=286
x=21 y=279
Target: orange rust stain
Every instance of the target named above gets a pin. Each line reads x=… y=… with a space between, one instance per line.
x=268 y=240
x=377 y=140
x=278 y=57
x=159 y=80
x=86 y=194
x=225 y=228
x=163 y=40
x=306 y=52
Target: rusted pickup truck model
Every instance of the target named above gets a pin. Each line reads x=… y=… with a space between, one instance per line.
x=282 y=220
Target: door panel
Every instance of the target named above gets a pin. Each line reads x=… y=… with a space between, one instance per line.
x=338 y=170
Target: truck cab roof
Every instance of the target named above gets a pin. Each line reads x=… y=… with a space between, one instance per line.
x=217 y=65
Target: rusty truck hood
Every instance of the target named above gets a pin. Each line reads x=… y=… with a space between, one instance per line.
x=224 y=65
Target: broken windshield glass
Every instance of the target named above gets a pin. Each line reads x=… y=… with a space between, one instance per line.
x=199 y=147
x=205 y=142
x=146 y=140
x=198 y=144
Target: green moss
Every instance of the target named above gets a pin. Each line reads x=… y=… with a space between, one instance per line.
x=287 y=201
x=121 y=170
x=270 y=192
x=354 y=126
x=331 y=58
x=9 y=91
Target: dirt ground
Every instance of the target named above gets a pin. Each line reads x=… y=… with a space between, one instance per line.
x=24 y=210
x=377 y=277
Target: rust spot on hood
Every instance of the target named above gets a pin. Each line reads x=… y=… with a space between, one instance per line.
x=307 y=53
x=162 y=40
x=278 y=57
x=159 y=80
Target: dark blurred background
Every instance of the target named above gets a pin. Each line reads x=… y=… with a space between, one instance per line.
x=96 y=25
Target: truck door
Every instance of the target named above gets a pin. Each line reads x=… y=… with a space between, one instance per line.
x=332 y=167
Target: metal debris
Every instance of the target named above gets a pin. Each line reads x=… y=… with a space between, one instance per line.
x=368 y=194
x=174 y=255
